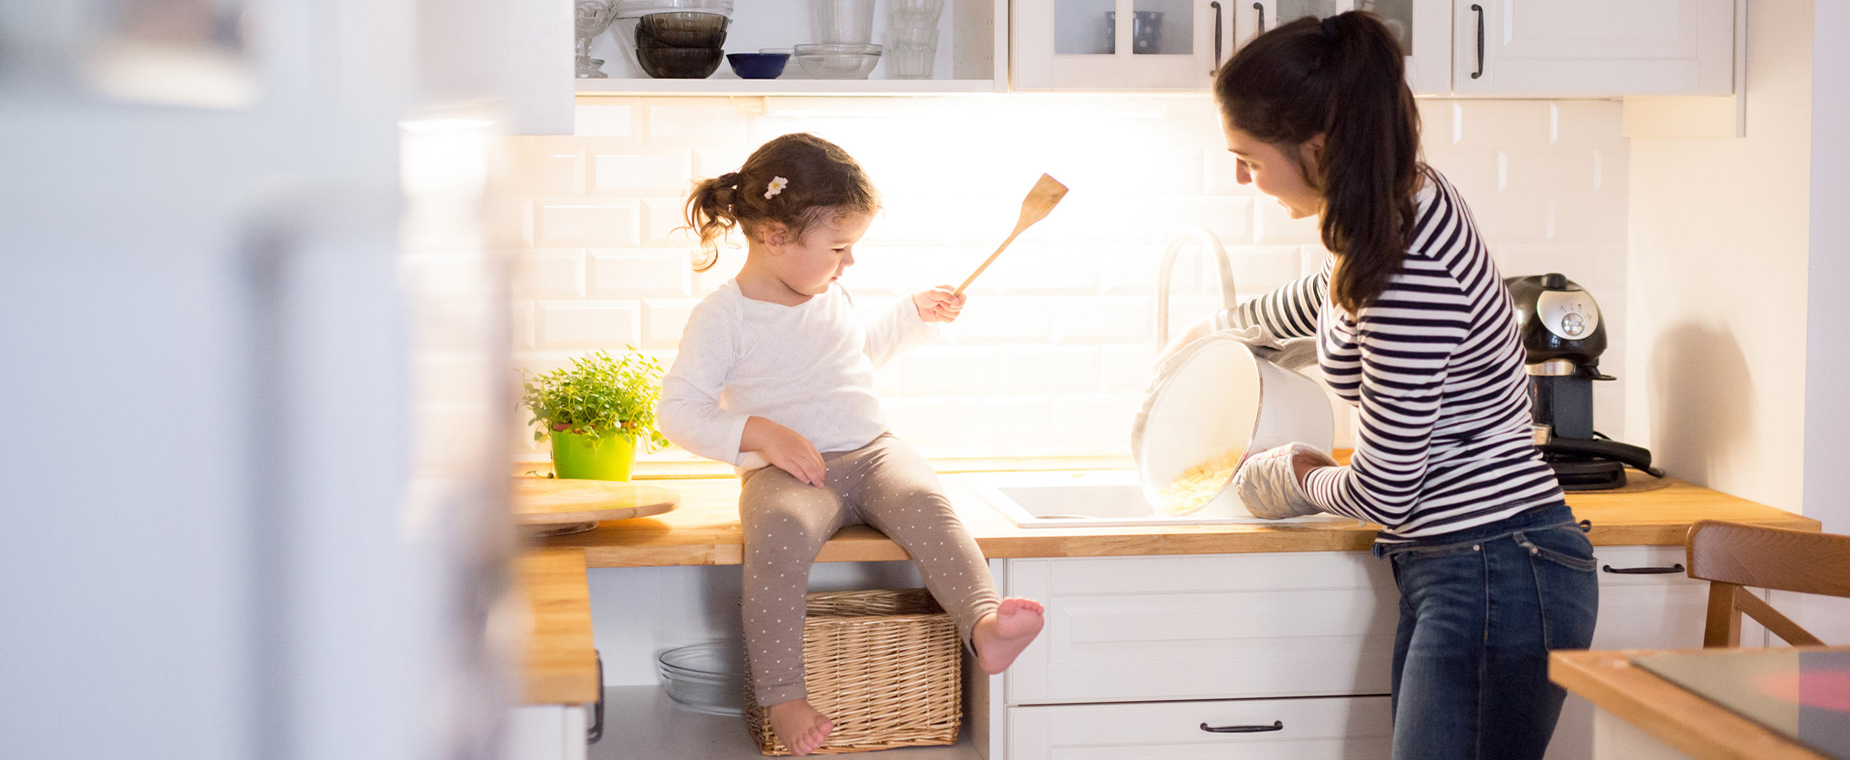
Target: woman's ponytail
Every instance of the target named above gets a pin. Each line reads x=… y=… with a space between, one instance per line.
x=1342 y=77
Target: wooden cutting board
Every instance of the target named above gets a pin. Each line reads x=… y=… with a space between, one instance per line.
x=553 y=501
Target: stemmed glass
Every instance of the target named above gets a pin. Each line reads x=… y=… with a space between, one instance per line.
x=593 y=17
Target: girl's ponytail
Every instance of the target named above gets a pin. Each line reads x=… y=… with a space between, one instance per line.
x=794 y=180
x=1342 y=77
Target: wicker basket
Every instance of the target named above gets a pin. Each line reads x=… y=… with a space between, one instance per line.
x=884 y=666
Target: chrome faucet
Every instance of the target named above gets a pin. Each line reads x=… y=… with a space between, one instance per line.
x=1211 y=247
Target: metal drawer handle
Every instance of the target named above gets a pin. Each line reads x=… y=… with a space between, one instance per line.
x=1676 y=568
x=1277 y=725
x=1479 y=10
x=596 y=731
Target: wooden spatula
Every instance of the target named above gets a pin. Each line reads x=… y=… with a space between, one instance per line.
x=1045 y=195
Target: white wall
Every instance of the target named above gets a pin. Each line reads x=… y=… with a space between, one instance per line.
x=1054 y=351
x=1717 y=274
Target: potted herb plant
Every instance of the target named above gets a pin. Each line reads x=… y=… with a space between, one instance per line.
x=596 y=412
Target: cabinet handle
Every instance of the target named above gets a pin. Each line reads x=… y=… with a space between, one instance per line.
x=1217 y=34
x=1676 y=568
x=1479 y=10
x=1260 y=7
x=596 y=731
x=1277 y=725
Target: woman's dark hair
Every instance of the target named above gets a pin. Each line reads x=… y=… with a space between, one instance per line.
x=1343 y=77
x=819 y=180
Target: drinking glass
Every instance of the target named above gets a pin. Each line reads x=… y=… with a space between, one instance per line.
x=912 y=38
x=593 y=17
x=843 y=21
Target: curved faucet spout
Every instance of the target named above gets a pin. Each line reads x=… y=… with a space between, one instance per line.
x=1211 y=247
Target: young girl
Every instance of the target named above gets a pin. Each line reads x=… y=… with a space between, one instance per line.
x=1415 y=328
x=775 y=375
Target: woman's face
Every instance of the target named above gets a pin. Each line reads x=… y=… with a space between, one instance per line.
x=1275 y=172
x=809 y=265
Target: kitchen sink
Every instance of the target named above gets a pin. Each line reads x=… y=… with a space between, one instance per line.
x=1092 y=498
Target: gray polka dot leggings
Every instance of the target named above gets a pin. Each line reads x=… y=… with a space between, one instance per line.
x=887 y=485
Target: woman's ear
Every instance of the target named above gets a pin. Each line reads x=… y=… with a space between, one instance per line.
x=1310 y=152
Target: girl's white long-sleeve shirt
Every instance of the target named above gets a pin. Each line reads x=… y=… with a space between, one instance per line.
x=808 y=367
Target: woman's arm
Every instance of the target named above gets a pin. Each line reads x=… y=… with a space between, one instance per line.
x=1290 y=311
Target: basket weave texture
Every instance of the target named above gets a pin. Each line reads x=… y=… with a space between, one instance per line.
x=884 y=666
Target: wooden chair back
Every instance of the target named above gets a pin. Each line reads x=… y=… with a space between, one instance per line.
x=1731 y=556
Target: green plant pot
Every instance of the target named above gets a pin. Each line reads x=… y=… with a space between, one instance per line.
x=607 y=457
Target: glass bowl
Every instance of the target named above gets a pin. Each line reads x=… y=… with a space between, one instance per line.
x=837 y=60
x=635 y=8
x=681 y=29
x=758 y=65
x=678 y=62
x=708 y=678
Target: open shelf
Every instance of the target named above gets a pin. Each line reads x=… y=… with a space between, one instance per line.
x=642 y=722
x=733 y=86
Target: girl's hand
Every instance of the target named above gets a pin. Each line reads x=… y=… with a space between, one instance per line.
x=785 y=449
x=938 y=305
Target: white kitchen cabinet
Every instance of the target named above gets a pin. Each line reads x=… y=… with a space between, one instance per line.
x=1424 y=28
x=1593 y=47
x=1646 y=601
x=1345 y=728
x=1118 y=44
x=1206 y=627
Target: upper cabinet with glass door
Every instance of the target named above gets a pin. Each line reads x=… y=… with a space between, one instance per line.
x=1118 y=44
x=1594 y=48
x=1424 y=28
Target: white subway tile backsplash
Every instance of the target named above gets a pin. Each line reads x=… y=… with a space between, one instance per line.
x=1005 y=319
x=609 y=118
x=1055 y=348
x=665 y=172
x=663 y=322
x=549 y=274
x=641 y=274
x=1230 y=219
x=693 y=121
x=1105 y=319
x=589 y=324
x=665 y=223
x=585 y=223
x=1050 y=370
x=1276 y=226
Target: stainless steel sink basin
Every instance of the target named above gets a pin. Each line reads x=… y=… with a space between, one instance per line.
x=1096 y=498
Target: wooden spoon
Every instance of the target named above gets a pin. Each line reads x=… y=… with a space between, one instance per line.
x=1045 y=195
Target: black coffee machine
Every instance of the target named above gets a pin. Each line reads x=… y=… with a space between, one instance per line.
x=1564 y=336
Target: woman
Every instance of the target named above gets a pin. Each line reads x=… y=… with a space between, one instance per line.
x=1415 y=328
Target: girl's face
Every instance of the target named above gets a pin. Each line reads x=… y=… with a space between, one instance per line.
x=1274 y=171
x=809 y=265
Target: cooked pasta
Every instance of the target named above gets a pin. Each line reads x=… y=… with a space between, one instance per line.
x=1197 y=485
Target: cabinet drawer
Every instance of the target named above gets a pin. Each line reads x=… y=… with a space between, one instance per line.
x=1206 y=627
x=1337 y=728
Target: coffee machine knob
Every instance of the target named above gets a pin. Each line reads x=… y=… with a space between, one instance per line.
x=1572 y=325
x=1569 y=314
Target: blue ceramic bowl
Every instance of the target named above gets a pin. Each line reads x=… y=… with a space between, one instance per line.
x=758 y=65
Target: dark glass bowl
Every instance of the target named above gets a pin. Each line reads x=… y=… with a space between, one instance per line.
x=679 y=62
x=682 y=29
x=758 y=65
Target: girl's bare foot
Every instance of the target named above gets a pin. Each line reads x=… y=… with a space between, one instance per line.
x=1000 y=636
x=801 y=728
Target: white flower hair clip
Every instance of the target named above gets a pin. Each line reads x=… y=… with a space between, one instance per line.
x=777 y=186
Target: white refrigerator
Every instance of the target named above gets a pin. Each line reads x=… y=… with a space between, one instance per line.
x=254 y=372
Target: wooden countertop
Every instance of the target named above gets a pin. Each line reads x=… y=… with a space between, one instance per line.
x=559 y=665
x=1678 y=717
x=704 y=530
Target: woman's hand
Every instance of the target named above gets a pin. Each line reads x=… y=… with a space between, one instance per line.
x=785 y=449
x=938 y=304
x=1271 y=483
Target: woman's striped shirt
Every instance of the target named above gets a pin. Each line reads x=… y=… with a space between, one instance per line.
x=1436 y=369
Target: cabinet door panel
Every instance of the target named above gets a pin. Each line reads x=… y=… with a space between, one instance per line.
x=1423 y=27
x=1592 y=47
x=1249 y=625
x=1116 y=44
x=1349 y=728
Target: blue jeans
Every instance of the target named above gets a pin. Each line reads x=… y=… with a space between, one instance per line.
x=1479 y=610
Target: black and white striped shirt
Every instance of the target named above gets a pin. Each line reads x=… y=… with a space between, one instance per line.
x=1436 y=369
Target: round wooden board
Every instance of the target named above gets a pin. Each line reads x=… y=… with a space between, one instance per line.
x=549 y=501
